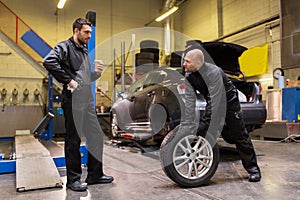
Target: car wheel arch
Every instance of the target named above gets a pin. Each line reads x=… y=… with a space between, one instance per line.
x=158 y=116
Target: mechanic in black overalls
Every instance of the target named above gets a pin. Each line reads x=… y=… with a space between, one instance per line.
x=69 y=63
x=222 y=110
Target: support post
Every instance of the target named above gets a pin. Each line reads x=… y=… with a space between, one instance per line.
x=133 y=57
x=48 y=133
x=91 y=16
x=114 y=77
x=122 y=66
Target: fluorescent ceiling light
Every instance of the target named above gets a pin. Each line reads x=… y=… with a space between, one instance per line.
x=166 y=14
x=61 y=4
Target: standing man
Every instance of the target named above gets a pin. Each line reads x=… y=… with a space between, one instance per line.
x=69 y=63
x=222 y=99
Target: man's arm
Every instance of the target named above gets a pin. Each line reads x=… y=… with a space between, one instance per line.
x=99 y=67
x=52 y=62
x=190 y=104
x=215 y=111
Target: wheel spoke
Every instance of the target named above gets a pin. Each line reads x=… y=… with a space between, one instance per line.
x=183 y=148
x=188 y=145
x=181 y=164
x=190 y=165
x=206 y=157
x=197 y=144
x=202 y=163
x=192 y=169
x=195 y=169
x=180 y=158
x=202 y=147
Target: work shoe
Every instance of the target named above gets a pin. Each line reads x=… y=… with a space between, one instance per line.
x=77 y=186
x=255 y=177
x=102 y=180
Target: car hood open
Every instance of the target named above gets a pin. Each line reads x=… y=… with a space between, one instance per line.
x=225 y=55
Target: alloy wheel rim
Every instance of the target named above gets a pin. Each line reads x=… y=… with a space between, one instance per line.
x=192 y=157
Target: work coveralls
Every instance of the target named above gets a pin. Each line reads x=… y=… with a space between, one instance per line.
x=65 y=62
x=222 y=112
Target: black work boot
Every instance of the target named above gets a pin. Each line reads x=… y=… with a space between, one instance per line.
x=101 y=180
x=77 y=186
x=255 y=177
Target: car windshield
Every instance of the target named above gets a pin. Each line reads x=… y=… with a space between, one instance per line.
x=147 y=80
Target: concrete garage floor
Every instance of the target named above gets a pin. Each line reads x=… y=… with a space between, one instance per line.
x=140 y=177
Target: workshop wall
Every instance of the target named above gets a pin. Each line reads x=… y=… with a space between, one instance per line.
x=210 y=20
x=113 y=17
x=196 y=19
x=199 y=20
x=17 y=76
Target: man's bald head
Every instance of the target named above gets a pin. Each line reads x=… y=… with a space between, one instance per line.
x=193 y=60
x=196 y=54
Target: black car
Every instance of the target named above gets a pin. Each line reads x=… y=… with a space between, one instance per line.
x=152 y=108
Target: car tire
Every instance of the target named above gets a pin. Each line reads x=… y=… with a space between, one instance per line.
x=144 y=55
x=149 y=44
x=151 y=50
x=180 y=162
x=140 y=62
x=176 y=59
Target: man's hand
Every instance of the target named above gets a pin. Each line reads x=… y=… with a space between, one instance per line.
x=72 y=85
x=99 y=66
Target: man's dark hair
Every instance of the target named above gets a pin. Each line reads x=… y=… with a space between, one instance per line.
x=79 y=22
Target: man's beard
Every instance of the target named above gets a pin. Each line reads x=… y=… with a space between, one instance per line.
x=82 y=42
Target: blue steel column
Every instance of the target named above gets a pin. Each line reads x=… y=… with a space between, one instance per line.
x=91 y=16
x=48 y=133
x=50 y=106
x=92 y=54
